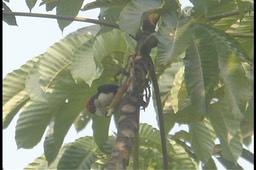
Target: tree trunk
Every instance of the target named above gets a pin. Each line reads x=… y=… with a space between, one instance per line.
x=128 y=124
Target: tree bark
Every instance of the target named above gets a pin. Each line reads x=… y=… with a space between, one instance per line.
x=128 y=124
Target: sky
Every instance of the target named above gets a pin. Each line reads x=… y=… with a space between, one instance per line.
x=32 y=37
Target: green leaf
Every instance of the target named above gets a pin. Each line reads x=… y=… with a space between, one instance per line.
x=100 y=127
x=105 y=3
x=201 y=69
x=33 y=86
x=150 y=138
x=174 y=37
x=58 y=57
x=14 y=92
x=243 y=32
x=30 y=4
x=84 y=57
x=111 y=51
x=229 y=164
x=131 y=16
x=82 y=120
x=247 y=124
x=247 y=155
x=243 y=7
x=81 y=154
x=39 y=163
x=187 y=115
x=237 y=86
x=221 y=39
x=67 y=8
x=203 y=139
x=49 y=4
x=9 y=19
x=63 y=120
x=32 y=123
x=182 y=135
x=210 y=165
x=165 y=82
x=226 y=126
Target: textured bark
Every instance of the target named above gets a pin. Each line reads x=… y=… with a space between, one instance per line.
x=128 y=124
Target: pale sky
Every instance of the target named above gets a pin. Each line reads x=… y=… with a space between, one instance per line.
x=31 y=38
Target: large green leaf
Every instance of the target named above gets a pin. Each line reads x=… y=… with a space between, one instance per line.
x=187 y=115
x=82 y=120
x=201 y=69
x=83 y=66
x=81 y=154
x=9 y=19
x=111 y=51
x=49 y=4
x=33 y=86
x=226 y=126
x=222 y=38
x=14 y=93
x=105 y=3
x=67 y=8
x=174 y=37
x=213 y=7
x=131 y=16
x=247 y=124
x=74 y=103
x=58 y=57
x=100 y=126
x=203 y=139
x=243 y=31
x=150 y=138
x=165 y=83
x=32 y=123
x=237 y=87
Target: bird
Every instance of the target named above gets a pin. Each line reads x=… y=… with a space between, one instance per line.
x=99 y=102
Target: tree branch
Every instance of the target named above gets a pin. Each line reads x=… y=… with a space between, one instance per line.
x=224 y=15
x=68 y=18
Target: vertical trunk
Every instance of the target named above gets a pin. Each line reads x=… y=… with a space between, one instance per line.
x=128 y=124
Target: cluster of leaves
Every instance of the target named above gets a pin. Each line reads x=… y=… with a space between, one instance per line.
x=204 y=66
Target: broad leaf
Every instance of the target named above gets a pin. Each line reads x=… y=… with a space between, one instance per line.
x=105 y=3
x=111 y=51
x=14 y=92
x=131 y=16
x=81 y=154
x=174 y=37
x=58 y=57
x=32 y=123
x=83 y=66
x=201 y=69
x=203 y=138
x=100 y=127
x=82 y=120
x=165 y=83
x=33 y=86
x=49 y=4
x=67 y=8
x=226 y=126
x=187 y=115
x=221 y=40
x=63 y=120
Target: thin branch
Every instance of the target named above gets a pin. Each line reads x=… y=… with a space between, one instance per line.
x=68 y=18
x=242 y=35
x=224 y=15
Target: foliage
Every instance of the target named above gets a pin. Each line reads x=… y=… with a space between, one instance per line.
x=204 y=67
